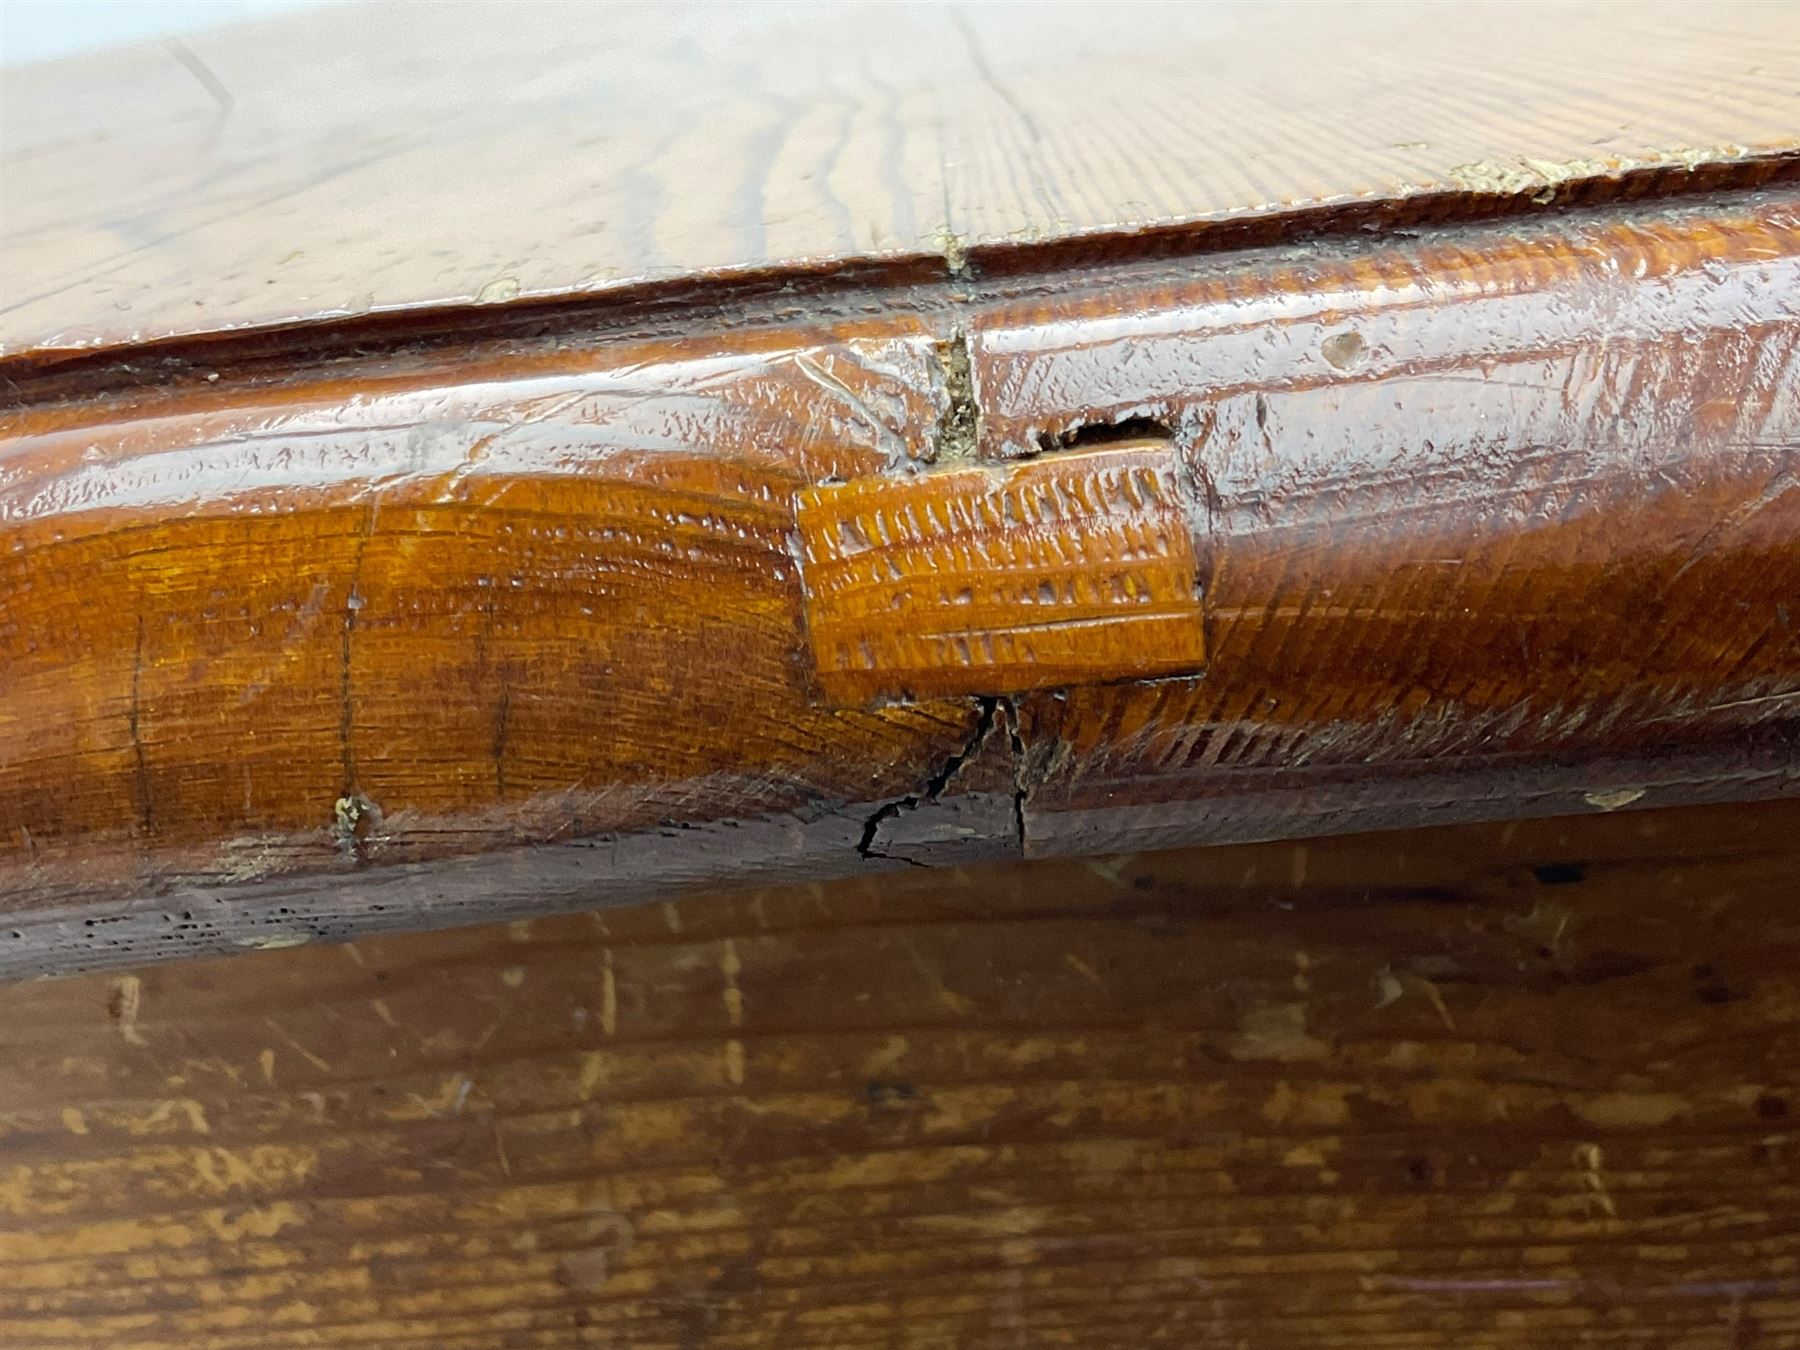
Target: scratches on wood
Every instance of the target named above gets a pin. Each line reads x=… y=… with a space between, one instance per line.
x=1050 y=1103
x=123 y=1005
x=630 y=616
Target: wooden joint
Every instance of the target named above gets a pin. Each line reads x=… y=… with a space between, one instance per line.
x=1071 y=568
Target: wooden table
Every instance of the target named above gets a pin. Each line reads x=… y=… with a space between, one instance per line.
x=902 y=676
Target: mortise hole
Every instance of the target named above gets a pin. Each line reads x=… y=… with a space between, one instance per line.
x=1106 y=433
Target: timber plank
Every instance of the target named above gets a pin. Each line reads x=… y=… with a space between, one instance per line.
x=1499 y=1085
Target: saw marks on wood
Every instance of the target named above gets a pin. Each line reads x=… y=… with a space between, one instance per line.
x=1075 y=568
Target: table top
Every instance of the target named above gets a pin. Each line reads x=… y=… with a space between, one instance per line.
x=368 y=159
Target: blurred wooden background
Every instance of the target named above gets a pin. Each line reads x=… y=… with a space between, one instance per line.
x=1520 y=1085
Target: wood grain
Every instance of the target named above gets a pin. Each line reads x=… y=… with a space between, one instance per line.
x=331 y=166
x=1500 y=1086
x=1071 y=569
x=1468 y=522
x=1381 y=589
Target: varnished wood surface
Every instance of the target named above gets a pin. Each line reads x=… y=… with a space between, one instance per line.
x=371 y=160
x=1059 y=571
x=1478 y=521
x=1517 y=1085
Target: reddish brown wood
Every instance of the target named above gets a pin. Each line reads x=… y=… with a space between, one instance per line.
x=1486 y=520
x=1059 y=571
x=830 y=449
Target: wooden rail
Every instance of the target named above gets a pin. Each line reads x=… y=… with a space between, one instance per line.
x=1488 y=520
x=748 y=450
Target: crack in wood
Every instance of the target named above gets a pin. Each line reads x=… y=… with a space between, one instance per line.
x=934 y=785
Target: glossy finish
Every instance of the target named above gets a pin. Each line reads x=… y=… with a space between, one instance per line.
x=1070 y=569
x=1469 y=503
x=1477 y=522
x=334 y=166
x=1525 y=1085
